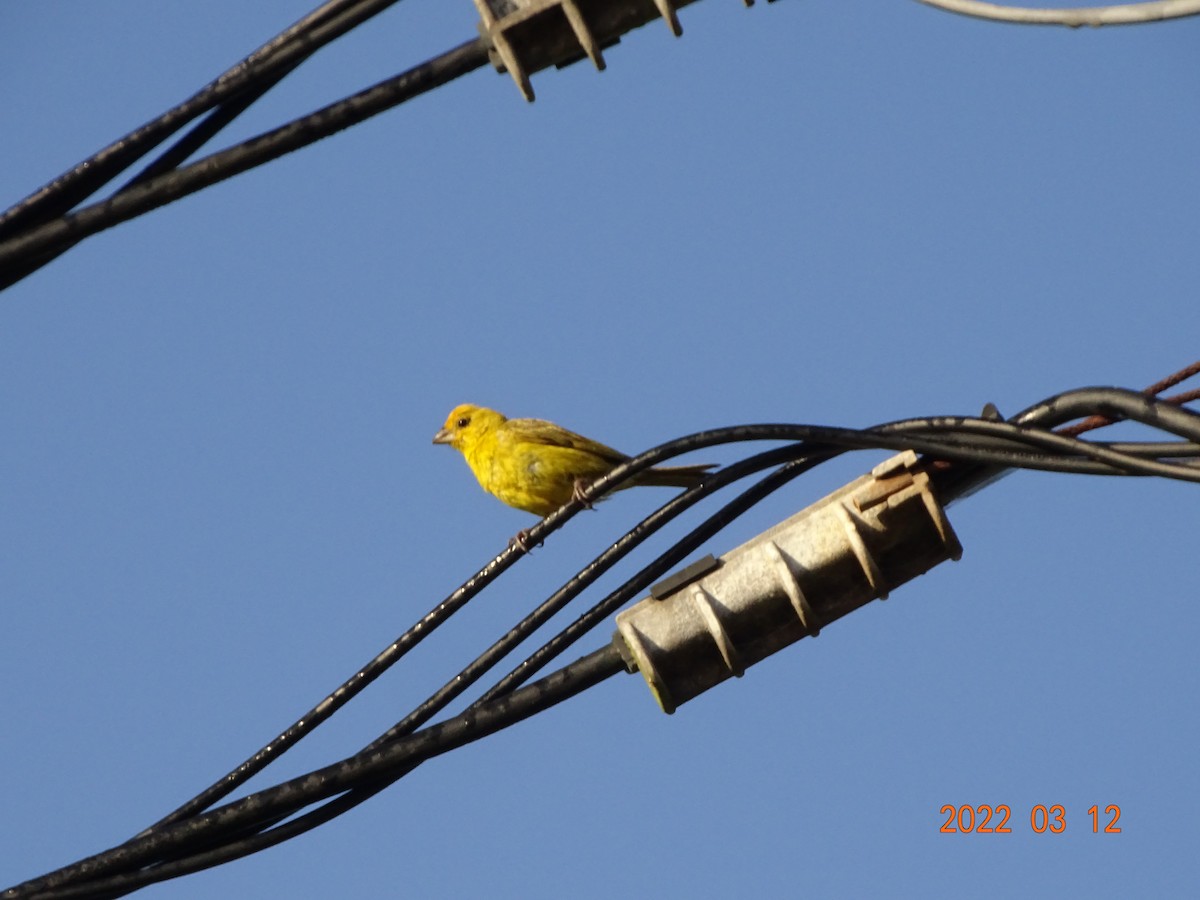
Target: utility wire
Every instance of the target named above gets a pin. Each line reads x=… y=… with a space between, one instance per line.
x=41 y=227
x=1152 y=391
x=258 y=71
x=22 y=254
x=973 y=447
x=463 y=729
x=1117 y=461
x=270 y=836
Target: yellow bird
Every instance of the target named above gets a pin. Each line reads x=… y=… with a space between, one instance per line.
x=538 y=466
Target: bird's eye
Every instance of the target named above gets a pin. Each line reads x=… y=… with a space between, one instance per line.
x=463 y=422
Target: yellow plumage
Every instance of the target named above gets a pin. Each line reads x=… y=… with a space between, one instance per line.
x=536 y=465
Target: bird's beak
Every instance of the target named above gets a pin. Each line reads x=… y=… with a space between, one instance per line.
x=443 y=436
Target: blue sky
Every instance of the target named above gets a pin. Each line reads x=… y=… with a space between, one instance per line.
x=219 y=497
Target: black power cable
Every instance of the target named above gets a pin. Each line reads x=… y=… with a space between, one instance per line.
x=461 y=682
x=257 y=72
x=329 y=781
x=1012 y=436
x=267 y=833
x=975 y=448
x=964 y=433
x=25 y=252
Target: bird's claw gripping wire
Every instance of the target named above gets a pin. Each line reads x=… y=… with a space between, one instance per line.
x=520 y=540
x=579 y=492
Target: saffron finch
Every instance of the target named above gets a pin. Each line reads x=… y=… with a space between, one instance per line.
x=538 y=466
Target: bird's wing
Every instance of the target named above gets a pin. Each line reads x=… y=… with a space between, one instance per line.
x=540 y=431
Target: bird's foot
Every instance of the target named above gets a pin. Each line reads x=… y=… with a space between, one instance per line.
x=520 y=540
x=577 y=492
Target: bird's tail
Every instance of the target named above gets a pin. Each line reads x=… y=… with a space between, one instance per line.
x=673 y=476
